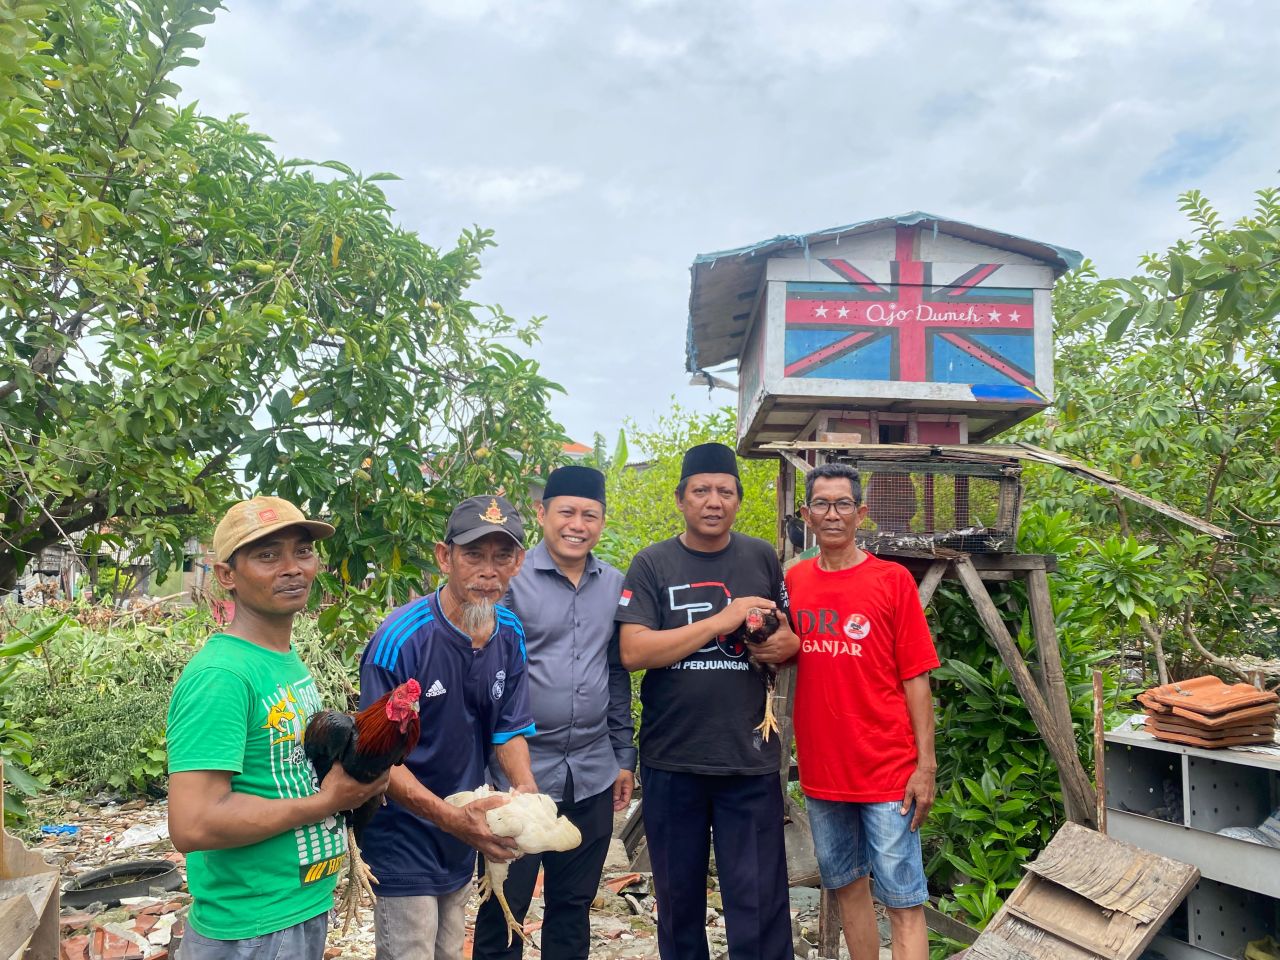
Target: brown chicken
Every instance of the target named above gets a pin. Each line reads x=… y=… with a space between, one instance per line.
x=367 y=745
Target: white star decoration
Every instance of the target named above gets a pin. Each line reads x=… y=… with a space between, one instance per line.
x=821 y=311
x=994 y=316
x=842 y=312
x=1013 y=317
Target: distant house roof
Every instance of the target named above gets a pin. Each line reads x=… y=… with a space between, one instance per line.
x=724 y=284
x=576 y=451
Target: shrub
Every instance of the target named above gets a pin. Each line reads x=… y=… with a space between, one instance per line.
x=90 y=703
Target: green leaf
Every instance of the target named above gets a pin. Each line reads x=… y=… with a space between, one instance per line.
x=21 y=780
x=1191 y=313
x=328 y=618
x=1118 y=325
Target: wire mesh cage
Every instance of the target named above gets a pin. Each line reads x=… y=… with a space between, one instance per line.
x=971 y=507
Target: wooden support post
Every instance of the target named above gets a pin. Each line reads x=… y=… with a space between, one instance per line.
x=829 y=926
x=786 y=477
x=1099 y=750
x=1053 y=683
x=783 y=707
x=929 y=582
x=1077 y=794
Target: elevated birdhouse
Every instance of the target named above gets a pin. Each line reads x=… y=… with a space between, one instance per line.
x=912 y=329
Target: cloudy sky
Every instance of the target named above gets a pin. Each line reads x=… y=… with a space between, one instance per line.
x=609 y=143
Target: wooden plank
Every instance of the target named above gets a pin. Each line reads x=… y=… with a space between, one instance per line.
x=934 y=468
x=1069 y=916
x=802 y=859
x=784 y=709
x=1099 y=752
x=1113 y=874
x=1078 y=795
x=632 y=832
x=24 y=875
x=1097 y=476
x=829 y=928
x=1043 y=627
x=801 y=467
x=982 y=562
x=949 y=926
x=1086 y=887
x=929 y=582
x=18 y=921
x=1018 y=451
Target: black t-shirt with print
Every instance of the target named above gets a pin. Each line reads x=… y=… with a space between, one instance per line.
x=699 y=713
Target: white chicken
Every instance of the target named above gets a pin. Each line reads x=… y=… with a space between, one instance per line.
x=528 y=818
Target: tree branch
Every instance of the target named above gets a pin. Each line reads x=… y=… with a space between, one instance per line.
x=1254 y=520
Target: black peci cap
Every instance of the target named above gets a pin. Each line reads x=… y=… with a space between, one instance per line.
x=709 y=458
x=574 y=481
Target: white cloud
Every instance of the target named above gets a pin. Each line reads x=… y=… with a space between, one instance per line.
x=490 y=187
x=819 y=34
x=648 y=49
x=531 y=21
x=607 y=144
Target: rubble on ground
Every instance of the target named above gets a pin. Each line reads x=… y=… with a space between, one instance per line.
x=623 y=915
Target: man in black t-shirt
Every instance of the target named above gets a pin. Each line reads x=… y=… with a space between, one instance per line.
x=706 y=771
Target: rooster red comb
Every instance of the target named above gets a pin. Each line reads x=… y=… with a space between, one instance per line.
x=410 y=688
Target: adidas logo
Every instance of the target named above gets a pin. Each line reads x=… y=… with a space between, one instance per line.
x=436 y=690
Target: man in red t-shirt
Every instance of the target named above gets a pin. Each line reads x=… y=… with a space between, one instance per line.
x=863 y=719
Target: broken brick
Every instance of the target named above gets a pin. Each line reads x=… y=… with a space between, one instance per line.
x=108 y=946
x=144 y=923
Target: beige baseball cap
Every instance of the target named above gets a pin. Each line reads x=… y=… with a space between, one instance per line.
x=251 y=520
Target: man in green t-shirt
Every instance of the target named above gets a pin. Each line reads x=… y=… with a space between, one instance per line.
x=264 y=840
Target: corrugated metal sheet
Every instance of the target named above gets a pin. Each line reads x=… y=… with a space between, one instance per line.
x=725 y=284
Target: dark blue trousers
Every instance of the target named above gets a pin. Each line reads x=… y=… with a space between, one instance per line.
x=683 y=814
x=571 y=879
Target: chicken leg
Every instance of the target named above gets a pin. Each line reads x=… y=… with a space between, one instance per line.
x=531 y=819
x=495 y=876
x=770 y=722
x=360 y=880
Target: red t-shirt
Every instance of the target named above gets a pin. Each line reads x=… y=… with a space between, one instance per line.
x=862 y=633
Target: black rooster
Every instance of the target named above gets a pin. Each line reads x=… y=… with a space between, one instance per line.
x=758 y=627
x=367 y=745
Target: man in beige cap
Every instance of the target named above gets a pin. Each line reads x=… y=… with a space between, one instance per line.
x=263 y=839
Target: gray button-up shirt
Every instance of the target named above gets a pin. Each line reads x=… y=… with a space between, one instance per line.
x=578 y=690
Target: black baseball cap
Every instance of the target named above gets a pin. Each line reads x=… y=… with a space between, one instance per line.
x=476 y=517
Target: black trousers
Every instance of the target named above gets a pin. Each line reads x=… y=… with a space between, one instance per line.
x=570 y=881
x=682 y=813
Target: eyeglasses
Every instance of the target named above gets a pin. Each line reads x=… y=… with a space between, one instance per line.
x=844 y=508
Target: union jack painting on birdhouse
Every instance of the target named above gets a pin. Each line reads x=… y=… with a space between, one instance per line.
x=939 y=326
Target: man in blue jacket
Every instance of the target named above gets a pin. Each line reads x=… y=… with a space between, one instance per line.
x=467 y=653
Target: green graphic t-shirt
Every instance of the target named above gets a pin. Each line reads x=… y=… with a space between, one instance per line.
x=242 y=708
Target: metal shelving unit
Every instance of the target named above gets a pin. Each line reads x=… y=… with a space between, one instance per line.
x=1173 y=799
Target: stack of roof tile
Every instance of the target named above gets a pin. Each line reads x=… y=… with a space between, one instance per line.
x=1205 y=712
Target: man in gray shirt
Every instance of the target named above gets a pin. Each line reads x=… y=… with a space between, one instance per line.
x=583 y=753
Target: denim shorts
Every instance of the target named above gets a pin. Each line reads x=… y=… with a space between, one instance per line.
x=853 y=840
x=302 y=941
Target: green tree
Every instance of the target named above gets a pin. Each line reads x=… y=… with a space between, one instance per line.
x=187 y=316
x=642 y=507
x=1170 y=380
